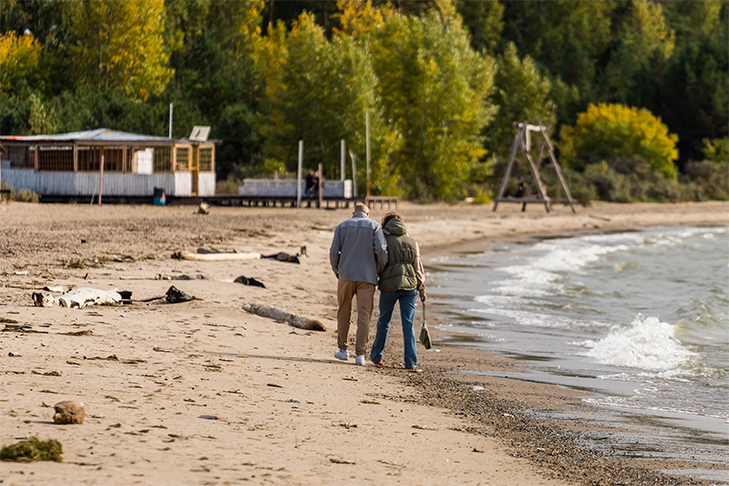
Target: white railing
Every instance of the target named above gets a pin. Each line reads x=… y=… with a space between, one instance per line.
x=287 y=188
x=114 y=184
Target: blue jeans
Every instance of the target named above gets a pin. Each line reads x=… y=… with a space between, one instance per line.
x=407 y=314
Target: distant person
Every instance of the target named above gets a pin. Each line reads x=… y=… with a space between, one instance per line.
x=520 y=191
x=312 y=184
x=358 y=252
x=401 y=281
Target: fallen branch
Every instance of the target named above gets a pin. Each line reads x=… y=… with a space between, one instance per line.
x=214 y=257
x=281 y=315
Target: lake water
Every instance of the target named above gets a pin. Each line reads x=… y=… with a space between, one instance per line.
x=639 y=319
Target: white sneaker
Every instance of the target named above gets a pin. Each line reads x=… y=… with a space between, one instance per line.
x=359 y=360
x=342 y=354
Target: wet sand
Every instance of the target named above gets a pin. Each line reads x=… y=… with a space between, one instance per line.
x=203 y=392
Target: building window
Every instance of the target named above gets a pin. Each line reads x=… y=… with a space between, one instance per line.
x=113 y=159
x=21 y=157
x=163 y=159
x=55 y=158
x=89 y=159
x=205 y=163
x=182 y=161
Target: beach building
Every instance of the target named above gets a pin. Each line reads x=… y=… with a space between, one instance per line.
x=109 y=162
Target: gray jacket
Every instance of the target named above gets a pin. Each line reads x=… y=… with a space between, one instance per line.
x=358 y=247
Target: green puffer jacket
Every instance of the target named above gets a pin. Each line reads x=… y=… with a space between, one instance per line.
x=399 y=274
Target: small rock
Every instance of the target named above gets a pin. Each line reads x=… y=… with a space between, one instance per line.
x=69 y=412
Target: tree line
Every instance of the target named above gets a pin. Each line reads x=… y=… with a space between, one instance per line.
x=635 y=92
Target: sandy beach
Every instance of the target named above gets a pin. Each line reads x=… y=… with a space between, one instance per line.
x=204 y=392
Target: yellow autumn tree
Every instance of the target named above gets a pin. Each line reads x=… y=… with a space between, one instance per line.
x=18 y=59
x=358 y=18
x=120 y=45
x=606 y=130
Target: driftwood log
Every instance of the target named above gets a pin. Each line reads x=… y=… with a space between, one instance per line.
x=214 y=257
x=281 y=315
x=81 y=297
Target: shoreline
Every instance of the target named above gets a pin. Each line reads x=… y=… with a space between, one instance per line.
x=547 y=403
x=293 y=413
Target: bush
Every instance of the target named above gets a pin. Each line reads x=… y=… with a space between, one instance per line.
x=24 y=195
x=228 y=186
x=608 y=181
x=619 y=131
x=708 y=179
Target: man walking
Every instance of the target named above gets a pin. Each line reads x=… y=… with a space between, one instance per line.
x=357 y=254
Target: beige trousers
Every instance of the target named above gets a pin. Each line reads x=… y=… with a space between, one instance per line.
x=365 y=293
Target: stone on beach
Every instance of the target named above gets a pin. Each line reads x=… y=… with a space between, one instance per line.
x=69 y=412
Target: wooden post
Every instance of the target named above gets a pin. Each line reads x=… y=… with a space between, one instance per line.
x=528 y=188
x=367 y=137
x=194 y=168
x=321 y=197
x=354 y=173
x=343 y=158
x=298 y=178
x=101 y=175
x=509 y=165
x=558 y=170
x=535 y=173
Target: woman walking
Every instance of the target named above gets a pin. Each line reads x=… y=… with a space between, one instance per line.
x=401 y=281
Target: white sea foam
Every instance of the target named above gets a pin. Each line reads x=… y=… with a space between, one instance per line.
x=526 y=318
x=646 y=343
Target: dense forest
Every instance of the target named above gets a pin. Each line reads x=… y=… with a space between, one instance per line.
x=635 y=92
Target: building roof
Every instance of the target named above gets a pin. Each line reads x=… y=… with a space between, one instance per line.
x=98 y=135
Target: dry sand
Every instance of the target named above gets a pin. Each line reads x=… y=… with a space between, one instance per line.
x=203 y=392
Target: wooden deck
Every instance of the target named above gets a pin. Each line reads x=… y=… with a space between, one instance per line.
x=277 y=201
x=234 y=200
x=371 y=201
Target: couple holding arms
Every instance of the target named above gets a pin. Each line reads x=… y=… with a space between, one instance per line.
x=361 y=251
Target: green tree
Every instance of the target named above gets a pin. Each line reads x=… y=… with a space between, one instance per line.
x=318 y=91
x=717 y=150
x=636 y=58
x=566 y=37
x=606 y=130
x=434 y=91
x=484 y=20
x=120 y=45
x=520 y=94
x=688 y=18
x=694 y=100
x=213 y=49
x=41 y=119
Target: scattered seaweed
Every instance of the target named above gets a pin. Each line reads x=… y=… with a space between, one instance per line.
x=33 y=450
